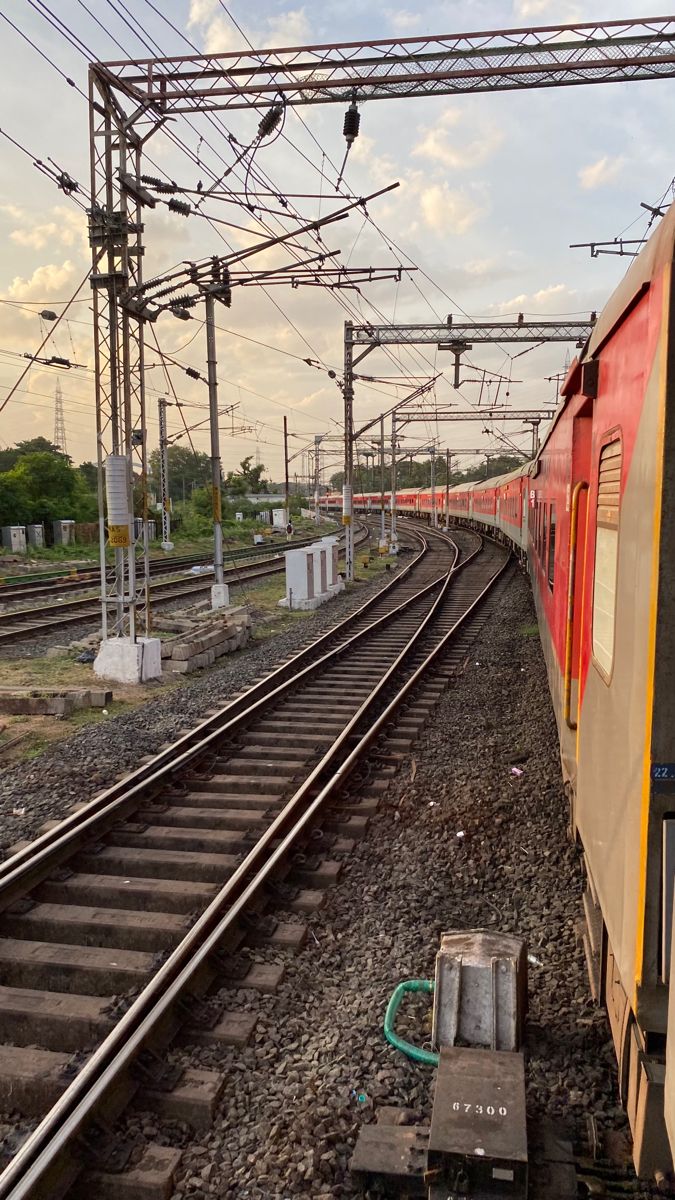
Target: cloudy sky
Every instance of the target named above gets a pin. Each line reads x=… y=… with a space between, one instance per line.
x=492 y=191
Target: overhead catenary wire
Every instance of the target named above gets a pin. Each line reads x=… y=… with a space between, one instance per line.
x=50 y=332
x=152 y=6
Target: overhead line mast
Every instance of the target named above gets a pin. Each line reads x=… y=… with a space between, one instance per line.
x=131 y=100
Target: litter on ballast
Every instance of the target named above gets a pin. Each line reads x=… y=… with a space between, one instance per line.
x=460 y=833
x=517 y=771
x=18 y=812
x=536 y=962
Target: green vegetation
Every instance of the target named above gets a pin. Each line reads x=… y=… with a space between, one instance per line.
x=39 y=484
x=529 y=631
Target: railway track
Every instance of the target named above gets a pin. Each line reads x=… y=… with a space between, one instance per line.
x=89 y=577
x=183 y=858
x=19 y=624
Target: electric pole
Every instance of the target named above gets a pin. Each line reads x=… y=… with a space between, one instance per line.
x=393 y=537
x=347 y=489
x=287 y=498
x=218 y=591
x=165 y=498
x=383 y=530
x=433 y=487
x=317 y=477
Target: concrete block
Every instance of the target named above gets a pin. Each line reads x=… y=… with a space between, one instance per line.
x=220 y=595
x=57 y=651
x=183 y=650
x=177 y=668
x=152 y=1178
x=125 y=661
x=167 y=649
x=100 y=697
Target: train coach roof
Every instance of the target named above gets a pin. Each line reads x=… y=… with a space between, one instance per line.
x=493 y=482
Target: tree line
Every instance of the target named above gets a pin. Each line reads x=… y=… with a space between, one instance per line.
x=38 y=483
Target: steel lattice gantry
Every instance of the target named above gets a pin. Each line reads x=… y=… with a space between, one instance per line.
x=453 y=335
x=130 y=100
x=457 y=338
x=495 y=60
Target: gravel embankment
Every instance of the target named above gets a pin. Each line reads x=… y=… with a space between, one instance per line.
x=75 y=769
x=461 y=842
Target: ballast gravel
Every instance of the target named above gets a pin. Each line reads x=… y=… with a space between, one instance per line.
x=76 y=769
x=460 y=842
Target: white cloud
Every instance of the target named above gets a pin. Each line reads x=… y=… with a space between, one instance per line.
x=66 y=228
x=220 y=35
x=546 y=300
x=201 y=11
x=525 y=9
x=50 y=234
x=449 y=150
x=13 y=211
x=48 y=282
x=448 y=210
x=401 y=20
x=289 y=29
x=601 y=172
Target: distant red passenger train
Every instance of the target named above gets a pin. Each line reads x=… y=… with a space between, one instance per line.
x=594 y=514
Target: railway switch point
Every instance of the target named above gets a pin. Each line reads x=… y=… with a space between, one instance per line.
x=124 y=661
x=477 y=1142
x=480 y=992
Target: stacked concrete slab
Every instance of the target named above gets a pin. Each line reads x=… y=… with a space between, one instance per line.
x=196 y=648
x=51 y=703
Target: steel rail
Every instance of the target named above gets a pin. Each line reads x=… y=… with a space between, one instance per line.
x=29 y=1171
x=82 y=609
x=19 y=625
x=20 y=622
x=86 y=577
x=24 y=869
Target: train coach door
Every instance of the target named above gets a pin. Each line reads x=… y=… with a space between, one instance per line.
x=577 y=511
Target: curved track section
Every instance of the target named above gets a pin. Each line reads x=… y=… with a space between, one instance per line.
x=216 y=825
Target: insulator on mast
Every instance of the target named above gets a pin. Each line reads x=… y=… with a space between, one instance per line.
x=352 y=122
x=350 y=130
x=179 y=206
x=270 y=120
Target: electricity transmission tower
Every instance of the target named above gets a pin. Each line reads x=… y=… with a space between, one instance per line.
x=59 y=420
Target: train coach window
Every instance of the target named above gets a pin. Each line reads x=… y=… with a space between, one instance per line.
x=551 y=549
x=606 y=555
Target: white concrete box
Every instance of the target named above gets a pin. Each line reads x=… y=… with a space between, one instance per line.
x=14 y=538
x=36 y=535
